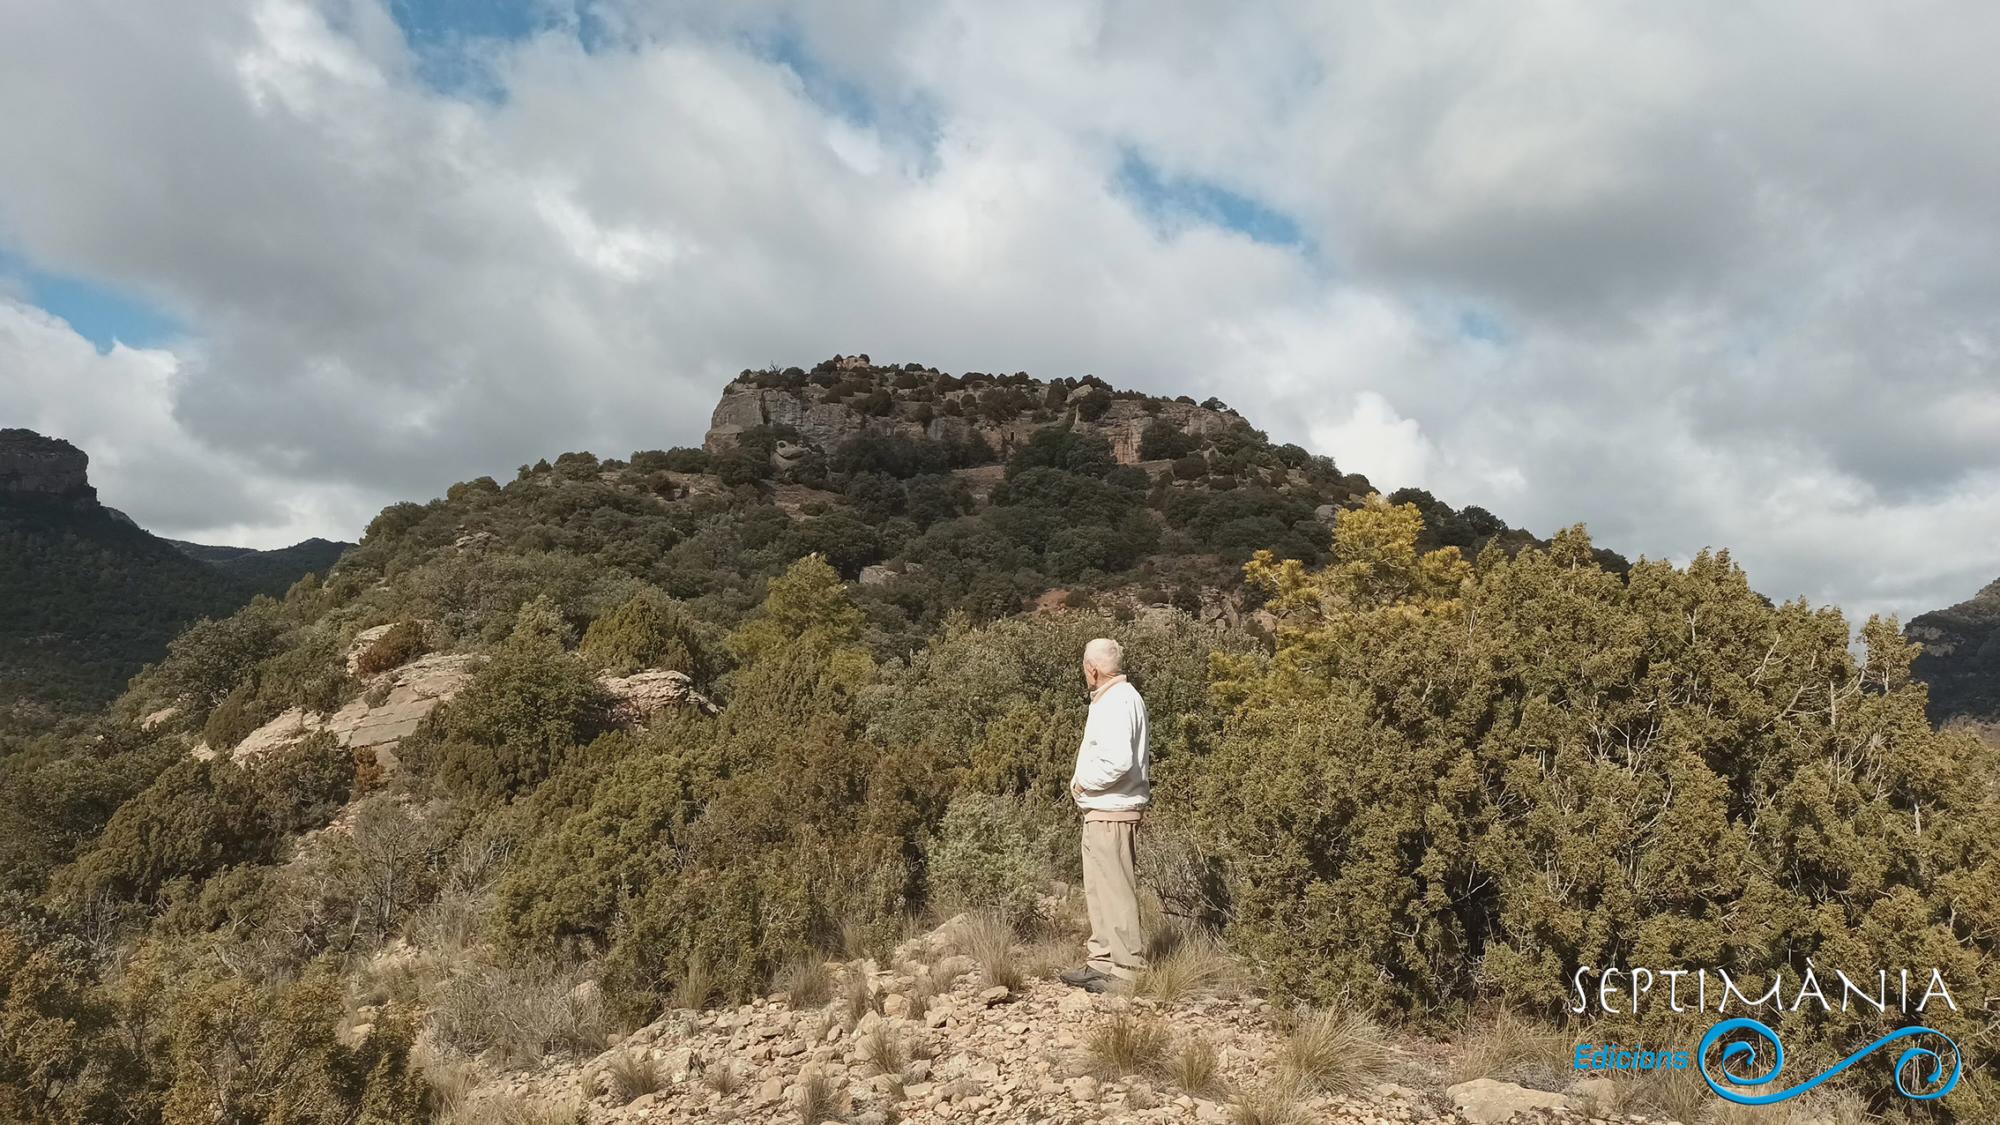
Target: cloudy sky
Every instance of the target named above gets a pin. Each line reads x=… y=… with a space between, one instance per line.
x=1695 y=274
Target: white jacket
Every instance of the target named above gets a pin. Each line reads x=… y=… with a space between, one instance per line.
x=1111 y=765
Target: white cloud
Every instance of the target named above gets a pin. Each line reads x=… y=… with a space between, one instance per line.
x=1375 y=440
x=118 y=407
x=1739 y=262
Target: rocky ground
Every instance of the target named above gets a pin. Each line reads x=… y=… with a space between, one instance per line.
x=962 y=1049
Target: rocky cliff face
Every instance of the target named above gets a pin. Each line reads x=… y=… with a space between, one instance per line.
x=1961 y=657
x=43 y=468
x=848 y=396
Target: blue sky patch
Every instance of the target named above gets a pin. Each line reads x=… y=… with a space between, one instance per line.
x=450 y=37
x=1170 y=199
x=99 y=313
x=822 y=85
x=1478 y=324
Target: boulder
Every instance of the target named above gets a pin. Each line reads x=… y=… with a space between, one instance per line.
x=640 y=696
x=1485 y=1101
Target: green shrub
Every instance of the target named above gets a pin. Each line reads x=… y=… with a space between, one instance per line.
x=522 y=712
x=992 y=854
x=652 y=630
x=207 y=662
x=1406 y=784
x=1163 y=441
x=239 y=713
x=403 y=643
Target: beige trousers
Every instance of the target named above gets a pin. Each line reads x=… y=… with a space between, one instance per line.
x=1111 y=891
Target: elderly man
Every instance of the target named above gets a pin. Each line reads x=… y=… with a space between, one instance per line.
x=1111 y=786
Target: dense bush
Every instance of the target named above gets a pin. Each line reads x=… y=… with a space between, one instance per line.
x=198 y=817
x=523 y=712
x=1453 y=781
x=652 y=630
x=992 y=854
x=1163 y=441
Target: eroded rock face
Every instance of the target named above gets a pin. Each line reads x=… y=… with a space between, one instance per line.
x=35 y=467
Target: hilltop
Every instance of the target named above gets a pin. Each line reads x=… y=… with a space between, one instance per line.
x=990 y=493
x=87 y=597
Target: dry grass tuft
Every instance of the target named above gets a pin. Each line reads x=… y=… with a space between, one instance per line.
x=1508 y=1048
x=633 y=1074
x=518 y=1019
x=858 y=941
x=805 y=982
x=989 y=940
x=1335 y=1052
x=1125 y=1045
x=881 y=1050
x=1194 y=1067
x=1046 y=956
x=1271 y=1105
x=1192 y=966
x=723 y=1078
x=817 y=1099
x=860 y=996
x=696 y=988
x=452 y=1079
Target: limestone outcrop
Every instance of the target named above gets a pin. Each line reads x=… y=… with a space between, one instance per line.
x=403 y=698
x=34 y=467
x=636 y=698
x=831 y=406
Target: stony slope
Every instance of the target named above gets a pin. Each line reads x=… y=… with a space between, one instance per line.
x=968 y=1050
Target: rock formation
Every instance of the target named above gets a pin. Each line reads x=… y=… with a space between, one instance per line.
x=638 y=697
x=33 y=467
x=401 y=699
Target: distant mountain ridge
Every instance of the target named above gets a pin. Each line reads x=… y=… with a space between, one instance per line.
x=87 y=597
x=1961 y=657
x=267 y=571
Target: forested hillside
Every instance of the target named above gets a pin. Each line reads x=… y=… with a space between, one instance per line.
x=87 y=597
x=540 y=763
x=1961 y=657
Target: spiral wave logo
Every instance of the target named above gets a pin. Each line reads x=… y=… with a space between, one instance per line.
x=1741 y=1053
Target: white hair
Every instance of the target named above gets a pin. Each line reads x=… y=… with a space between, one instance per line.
x=1105 y=655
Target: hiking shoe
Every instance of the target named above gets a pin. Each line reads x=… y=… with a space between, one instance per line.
x=1086 y=978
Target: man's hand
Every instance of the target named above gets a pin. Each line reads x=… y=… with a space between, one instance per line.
x=1075 y=790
